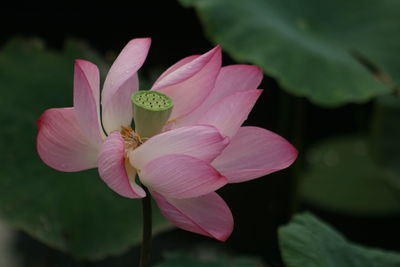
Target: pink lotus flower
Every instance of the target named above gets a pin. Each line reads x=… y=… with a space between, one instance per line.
x=201 y=148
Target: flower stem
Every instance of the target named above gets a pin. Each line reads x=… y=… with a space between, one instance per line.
x=147 y=230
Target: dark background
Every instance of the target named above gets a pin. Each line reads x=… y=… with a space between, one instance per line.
x=259 y=206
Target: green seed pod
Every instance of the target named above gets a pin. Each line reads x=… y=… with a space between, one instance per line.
x=151 y=110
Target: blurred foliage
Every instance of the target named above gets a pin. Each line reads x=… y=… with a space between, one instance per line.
x=332 y=52
x=208 y=258
x=384 y=139
x=307 y=241
x=74 y=212
x=342 y=177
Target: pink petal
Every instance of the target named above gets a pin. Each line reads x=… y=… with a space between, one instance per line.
x=189 y=84
x=200 y=141
x=181 y=176
x=121 y=83
x=206 y=215
x=230 y=79
x=113 y=168
x=229 y=113
x=254 y=152
x=61 y=143
x=176 y=66
x=86 y=99
x=235 y=78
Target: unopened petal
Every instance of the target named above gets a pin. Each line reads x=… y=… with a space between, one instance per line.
x=86 y=99
x=61 y=143
x=254 y=152
x=229 y=113
x=230 y=79
x=200 y=141
x=189 y=84
x=207 y=215
x=113 y=169
x=121 y=83
x=181 y=176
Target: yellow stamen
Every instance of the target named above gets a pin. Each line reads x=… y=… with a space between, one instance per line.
x=131 y=138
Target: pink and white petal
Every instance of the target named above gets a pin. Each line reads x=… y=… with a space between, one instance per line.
x=118 y=110
x=181 y=176
x=62 y=145
x=207 y=215
x=254 y=152
x=176 y=66
x=113 y=169
x=200 y=141
x=191 y=83
x=235 y=78
x=186 y=68
x=121 y=83
x=229 y=113
x=86 y=99
x=230 y=79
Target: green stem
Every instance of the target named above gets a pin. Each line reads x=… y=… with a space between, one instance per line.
x=147 y=230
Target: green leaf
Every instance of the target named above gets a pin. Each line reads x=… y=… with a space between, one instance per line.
x=385 y=133
x=342 y=177
x=323 y=50
x=308 y=242
x=209 y=259
x=74 y=212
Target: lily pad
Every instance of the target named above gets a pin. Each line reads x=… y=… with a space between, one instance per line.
x=308 y=241
x=384 y=139
x=332 y=52
x=342 y=177
x=73 y=212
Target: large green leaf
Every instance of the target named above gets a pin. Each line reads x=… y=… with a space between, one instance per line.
x=342 y=177
x=74 y=212
x=308 y=242
x=210 y=259
x=385 y=134
x=324 y=50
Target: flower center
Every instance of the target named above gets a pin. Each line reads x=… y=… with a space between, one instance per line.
x=131 y=138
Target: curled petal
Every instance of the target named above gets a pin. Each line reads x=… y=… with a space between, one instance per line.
x=229 y=113
x=115 y=171
x=189 y=84
x=200 y=141
x=86 y=99
x=62 y=145
x=181 y=176
x=254 y=152
x=230 y=79
x=207 y=215
x=121 y=83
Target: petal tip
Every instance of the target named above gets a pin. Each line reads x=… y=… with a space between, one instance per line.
x=85 y=67
x=82 y=62
x=226 y=140
x=223 y=237
x=145 y=40
x=39 y=122
x=257 y=68
x=295 y=154
x=217 y=50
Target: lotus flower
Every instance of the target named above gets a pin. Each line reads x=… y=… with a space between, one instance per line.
x=201 y=148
